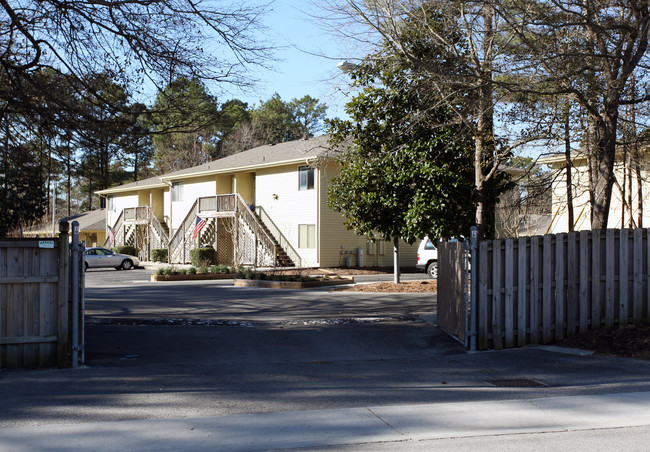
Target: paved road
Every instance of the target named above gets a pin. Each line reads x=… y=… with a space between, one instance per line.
x=262 y=358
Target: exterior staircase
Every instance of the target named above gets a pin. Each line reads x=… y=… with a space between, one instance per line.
x=281 y=256
x=256 y=244
x=139 y=222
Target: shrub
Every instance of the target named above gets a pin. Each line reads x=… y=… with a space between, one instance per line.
x=126 y=249
x=203 y=256
x=191 y=271
x=203 y=269
x=219 y=269
x=167 y=271
x=159 y=254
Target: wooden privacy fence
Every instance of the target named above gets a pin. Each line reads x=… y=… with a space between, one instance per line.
x=35 y=302
x=452 y=306
x=534 y=290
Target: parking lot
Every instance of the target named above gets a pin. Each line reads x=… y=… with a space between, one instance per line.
x=112 y=294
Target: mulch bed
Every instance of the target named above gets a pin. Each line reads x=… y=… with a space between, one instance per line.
x=631 y=340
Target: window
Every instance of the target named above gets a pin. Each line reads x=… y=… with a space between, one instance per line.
x=306 y=236
x=177 y=191
x=429 y=245
x=110 y=204
x=306 y=178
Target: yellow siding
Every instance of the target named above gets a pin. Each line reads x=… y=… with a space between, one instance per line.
x=224 y=184
x=619 y=216
x=158 y=203
x=337 y=243
x=245 y=185
x=93 y=238
x=144 y=198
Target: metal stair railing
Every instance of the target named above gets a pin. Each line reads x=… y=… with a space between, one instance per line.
x=283 y=242
x=178 y=242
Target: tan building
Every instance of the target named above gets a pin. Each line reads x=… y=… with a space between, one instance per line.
x=630 y=187
x=92 y=227
x=265 y=206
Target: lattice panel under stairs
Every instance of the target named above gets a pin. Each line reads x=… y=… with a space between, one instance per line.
x=225 y=246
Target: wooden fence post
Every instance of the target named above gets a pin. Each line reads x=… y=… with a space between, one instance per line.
x=522 y=292
x=547 y=289
x=610 y=277
x=637 y=268
x=509 y=298
x=560 y=287
x=596 y=292
x=482 y=296
x=623 y=278
x=533 y=336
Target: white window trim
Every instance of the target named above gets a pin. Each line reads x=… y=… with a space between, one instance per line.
x=310 y=238
x=178 y=188
x=307 y=169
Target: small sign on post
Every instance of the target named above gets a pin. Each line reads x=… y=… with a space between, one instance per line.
x=46 y=243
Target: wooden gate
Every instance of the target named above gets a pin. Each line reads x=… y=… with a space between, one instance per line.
x=35 y=302
x=452 y=290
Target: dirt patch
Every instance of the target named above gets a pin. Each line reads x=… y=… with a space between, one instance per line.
x=428 y=285
x=425 y=285
x=343 y=271
x=625 y=340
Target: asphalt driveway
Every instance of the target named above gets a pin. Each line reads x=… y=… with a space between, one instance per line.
x=162 y=350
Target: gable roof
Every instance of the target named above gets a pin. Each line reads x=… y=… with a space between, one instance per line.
x=261 y=157
x=95 y=220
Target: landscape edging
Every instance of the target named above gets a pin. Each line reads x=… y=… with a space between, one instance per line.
x=290 y=284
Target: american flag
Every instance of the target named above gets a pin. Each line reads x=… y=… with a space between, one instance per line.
x=111 y=234
x=200 y=223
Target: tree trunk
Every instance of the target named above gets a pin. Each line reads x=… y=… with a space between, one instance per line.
x=569 y=167
x=396 y=269
x=602 y=158
x=484 y=139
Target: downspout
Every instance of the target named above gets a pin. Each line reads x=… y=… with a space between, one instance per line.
x=105 y=218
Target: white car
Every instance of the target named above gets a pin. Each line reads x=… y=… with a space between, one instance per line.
x=428 y=258
x=101 y=257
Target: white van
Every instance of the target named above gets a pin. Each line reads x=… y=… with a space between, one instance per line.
x=428 y=258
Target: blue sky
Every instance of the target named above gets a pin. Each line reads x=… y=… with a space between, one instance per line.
x=299 y=71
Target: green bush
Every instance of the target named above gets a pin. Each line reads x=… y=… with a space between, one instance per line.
x=203 y=256
x=159 y=255
x=165 y=271
x=126 y=249
x=191 y=271
x=203 y=270
x=221 y=268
